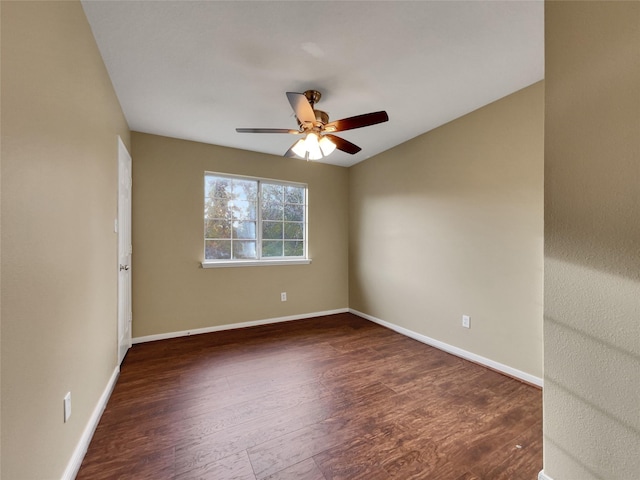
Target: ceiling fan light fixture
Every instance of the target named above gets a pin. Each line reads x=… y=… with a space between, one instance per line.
x=315 y=155
x=327 y=146
x=312 y=146
x=299 y=148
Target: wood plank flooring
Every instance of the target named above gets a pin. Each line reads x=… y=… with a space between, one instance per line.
x=329 y=398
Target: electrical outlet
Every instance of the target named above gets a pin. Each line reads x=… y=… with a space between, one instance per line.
x=466 y=321
x=283 y=297
x=67 y=406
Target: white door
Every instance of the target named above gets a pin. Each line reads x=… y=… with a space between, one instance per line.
x=124 y=250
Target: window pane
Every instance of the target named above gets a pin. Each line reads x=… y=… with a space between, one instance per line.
x=272 y=230
x=243 y=210
x=244 y=230
x=293 y=231
x=245 y=190
x=216 y=208
x=294 y=195
x=272 y=193
x=271 y=249
x=217 y=187
x=243 y=249
x=293 y=249
x=217 y=249
x=271 y=211
x=294 y=213
x=217 y=229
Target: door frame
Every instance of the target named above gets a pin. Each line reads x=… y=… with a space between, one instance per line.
x=123 y=228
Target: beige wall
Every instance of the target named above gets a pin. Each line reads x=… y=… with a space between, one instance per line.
x=171 y=292
x=592 y=241
x=60 y=121
x=450 y=223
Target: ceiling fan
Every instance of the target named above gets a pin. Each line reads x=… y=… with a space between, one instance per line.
x=318 y=141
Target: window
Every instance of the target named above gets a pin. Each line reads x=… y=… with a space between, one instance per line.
x=253 y=221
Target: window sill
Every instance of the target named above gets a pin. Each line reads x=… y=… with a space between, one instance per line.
x=256 y=263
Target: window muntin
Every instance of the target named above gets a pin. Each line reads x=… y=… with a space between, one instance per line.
x=253 y=219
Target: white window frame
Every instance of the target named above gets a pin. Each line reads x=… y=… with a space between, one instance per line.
x=260 y=261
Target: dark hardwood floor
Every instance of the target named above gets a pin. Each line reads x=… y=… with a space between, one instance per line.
x=333 y=397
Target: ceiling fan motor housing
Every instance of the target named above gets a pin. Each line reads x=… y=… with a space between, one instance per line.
x=313 y=96
x=321 y=116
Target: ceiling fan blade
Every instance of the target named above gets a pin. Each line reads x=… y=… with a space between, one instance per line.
x=301 y=107
x=266 y=130
x=358 y=121
x=344 y=145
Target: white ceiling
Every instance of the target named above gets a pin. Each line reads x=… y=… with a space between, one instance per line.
x=197 y=70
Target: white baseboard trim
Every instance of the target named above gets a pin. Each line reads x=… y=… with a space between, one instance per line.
x=542 y=476
x=454 y=350
x=231 y=326
x=81 y=448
